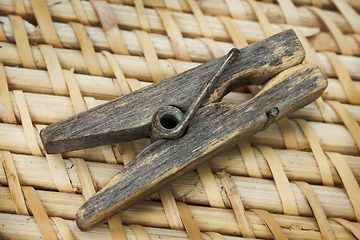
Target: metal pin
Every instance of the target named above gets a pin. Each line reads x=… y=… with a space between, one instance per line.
x=169 y=115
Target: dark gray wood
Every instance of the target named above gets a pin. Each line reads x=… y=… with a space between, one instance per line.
x=215 y=128
x=129 y=118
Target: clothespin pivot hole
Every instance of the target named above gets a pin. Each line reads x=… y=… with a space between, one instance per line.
x=169 y=115
x=164 y=121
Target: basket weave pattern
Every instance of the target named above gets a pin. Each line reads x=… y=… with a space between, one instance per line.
x=298 y=179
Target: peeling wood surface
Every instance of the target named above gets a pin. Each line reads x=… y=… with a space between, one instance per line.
x=129 y=118
x=215 y=128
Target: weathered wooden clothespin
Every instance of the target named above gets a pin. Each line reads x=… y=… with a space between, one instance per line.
x=207 y=128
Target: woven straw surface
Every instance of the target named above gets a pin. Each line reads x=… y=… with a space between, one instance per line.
x=298 y=179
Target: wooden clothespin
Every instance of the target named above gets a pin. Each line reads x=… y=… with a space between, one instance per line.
x=213 y=127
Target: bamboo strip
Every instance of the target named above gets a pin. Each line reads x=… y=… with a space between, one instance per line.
x=140 y=232
x=58 y=170
x=334 y=30
x=215 y=236
x=86 y=183
x=319 y=213
x=173 y=5
x=327 y=4
x=282 y=183
x=287 y=133
x=236 y=9
x=134 y=66
x=121 y=84
x=54 y=69
x=232 y=161
x=128 y=18
x=290 y=12
x=261 y=17
x=25 y=228
x=252 y=32
x=170 y=208
x=293 y=160
x=189 y=188
x=29 y=131
x=198 y=51
x=271 y=223
x=274 y=13
x=189 y=223
x=150 y=55
x=42 y=112
x=317 y=3
x=324 y=41
x=13 y=183
x=350 y=184
x=236 y=204
x=344 y=78
x=211 y=187
x=19 y=8
x=79 y=12
x=143 y=20
x=349 y=226
x=38 y=81
x=39 y=213
x=235 y=34
x=335 y=90
x=93 y=154
x=252 y=167
x=22 y=43
x=2 y=34
x=87 y=49
x=344 y=143
x=180 y=51
x=207 y=218
x=111 y=30
x=199 y=15
x=63 y=228
x=349 y=13
x=77 y=101
x=44 y=20
x=214 y=48
x=42 y=107
x=59 y=173
x=348 y=120
x=182 y=6
x=174 y=33
x=325 y=114
x=7 y=112
x=127 y=152
x=116 y=228
x=319 y=154
x=333 y=137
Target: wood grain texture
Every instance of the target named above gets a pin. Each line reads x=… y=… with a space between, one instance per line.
x=129 y=118
x=215 y=128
